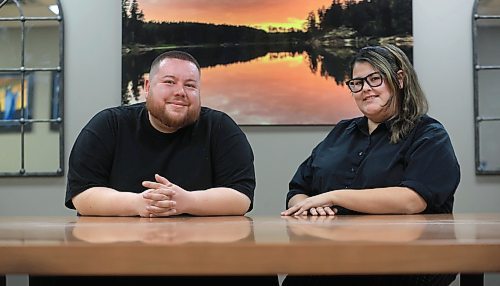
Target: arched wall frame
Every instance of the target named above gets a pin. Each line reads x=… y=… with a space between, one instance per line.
x=31 y=88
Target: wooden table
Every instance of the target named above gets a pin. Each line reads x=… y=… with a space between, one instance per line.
x=465 y=243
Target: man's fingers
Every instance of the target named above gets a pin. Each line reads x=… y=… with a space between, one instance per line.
x=164 y=214
x=152 y=185
x=152 y=195
x=158 y=194
x=163 y=204
x=162 y=180
x=160 y=208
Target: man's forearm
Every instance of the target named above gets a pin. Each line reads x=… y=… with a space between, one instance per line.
x=103 y=201
x=219 y=201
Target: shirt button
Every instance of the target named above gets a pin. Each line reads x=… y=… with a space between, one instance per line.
x=352 y=169
x=360 y=153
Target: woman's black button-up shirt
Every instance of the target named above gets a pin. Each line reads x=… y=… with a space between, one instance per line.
x=350 y=157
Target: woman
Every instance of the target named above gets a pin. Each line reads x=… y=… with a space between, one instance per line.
x=393 y=160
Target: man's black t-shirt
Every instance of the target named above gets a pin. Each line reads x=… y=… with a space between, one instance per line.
x=119 y=149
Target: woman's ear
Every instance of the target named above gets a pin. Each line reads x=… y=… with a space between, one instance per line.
x=400 y=74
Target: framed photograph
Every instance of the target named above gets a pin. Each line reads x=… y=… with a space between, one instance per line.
x=263 y=62
x=15 y=101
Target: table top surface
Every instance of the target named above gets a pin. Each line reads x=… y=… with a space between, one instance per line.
x=251 y=245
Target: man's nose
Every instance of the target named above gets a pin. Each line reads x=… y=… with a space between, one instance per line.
x=180 y=91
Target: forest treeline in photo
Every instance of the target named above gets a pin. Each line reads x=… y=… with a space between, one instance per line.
x=343 y=23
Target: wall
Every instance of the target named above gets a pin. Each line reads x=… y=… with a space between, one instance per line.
x=443 y=59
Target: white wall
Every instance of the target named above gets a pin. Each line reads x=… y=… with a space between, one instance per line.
x=442 y=56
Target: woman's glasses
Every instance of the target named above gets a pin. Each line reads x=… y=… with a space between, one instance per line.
x=373 y=80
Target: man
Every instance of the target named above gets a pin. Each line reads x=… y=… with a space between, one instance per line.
x=166 y=157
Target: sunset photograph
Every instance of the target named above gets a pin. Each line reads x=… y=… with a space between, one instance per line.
x=285 y=64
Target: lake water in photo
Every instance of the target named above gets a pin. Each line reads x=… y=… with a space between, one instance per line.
x=277 y=88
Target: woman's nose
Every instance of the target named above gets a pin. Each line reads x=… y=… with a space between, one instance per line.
x=366 y=86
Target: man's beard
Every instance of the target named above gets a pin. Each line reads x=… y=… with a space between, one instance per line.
x=175 y=121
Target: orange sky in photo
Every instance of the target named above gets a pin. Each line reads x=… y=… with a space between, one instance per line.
x=254 y=13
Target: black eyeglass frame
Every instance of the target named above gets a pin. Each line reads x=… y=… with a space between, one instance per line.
x=363 y=80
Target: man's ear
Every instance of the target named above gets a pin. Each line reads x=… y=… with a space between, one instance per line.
x=400 y=74
x=147 y=84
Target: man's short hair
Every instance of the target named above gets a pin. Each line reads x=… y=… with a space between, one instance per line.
x=173 y=55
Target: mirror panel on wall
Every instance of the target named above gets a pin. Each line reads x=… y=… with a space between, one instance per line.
x=489 y=132
x=41 y=35
x=10 y=159
x=11 y=52
x=31 y=88
x=487 y=7
x=487 y=29
x=486 y=55
x=35 y=160
x=488 y=88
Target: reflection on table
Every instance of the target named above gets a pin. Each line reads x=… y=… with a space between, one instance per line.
x=397 y=228
x=233 y=245
x=163 y=231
